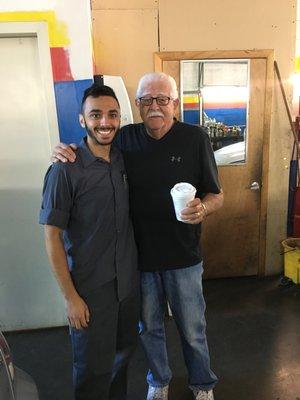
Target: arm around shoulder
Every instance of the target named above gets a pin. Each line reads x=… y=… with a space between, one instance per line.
x=64 y=153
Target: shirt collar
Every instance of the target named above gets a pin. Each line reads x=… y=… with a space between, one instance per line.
x=87 y=157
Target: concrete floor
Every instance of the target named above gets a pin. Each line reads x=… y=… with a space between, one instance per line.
x=253 y=328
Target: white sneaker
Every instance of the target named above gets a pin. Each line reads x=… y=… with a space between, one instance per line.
x=203 y=395
x=158 y=393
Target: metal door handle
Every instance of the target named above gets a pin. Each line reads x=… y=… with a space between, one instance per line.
x=253 y=186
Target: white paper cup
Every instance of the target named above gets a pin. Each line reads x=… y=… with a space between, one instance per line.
x=182 y=193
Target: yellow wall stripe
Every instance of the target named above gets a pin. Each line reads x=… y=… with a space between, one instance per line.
x=191 y=99
x=58 y=31
x=297 y=64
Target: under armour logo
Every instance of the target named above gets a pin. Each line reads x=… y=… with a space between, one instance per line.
x=175 y=159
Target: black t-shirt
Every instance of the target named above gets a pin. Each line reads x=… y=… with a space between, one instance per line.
x=183 y=154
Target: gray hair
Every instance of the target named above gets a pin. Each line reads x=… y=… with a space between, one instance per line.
x=155 y=77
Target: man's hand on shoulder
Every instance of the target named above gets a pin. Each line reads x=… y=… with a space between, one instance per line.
x=64 y=153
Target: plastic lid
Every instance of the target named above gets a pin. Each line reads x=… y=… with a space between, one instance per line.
x=183 y=188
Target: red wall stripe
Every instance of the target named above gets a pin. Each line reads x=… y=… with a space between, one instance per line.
x=207 y=106
x=60 y=64
x=225 y=105
x=191 y=106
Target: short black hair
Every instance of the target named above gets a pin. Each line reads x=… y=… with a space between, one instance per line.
x=96 y=90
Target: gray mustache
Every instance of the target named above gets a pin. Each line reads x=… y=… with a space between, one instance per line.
x=155 y=114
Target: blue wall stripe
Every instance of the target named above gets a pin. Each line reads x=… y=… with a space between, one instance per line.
x=229 y=116
x=68 y=97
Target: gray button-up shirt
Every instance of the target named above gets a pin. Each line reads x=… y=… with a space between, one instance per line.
x=88 y=199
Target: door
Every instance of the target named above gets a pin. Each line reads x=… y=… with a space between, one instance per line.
x=230 y=238
x=233 y=239
x=29 y=296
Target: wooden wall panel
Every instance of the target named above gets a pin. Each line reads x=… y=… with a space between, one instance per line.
x=126 y=35
x=237 y=25
x=212 y=25
x=125 y=5
x=124 y=43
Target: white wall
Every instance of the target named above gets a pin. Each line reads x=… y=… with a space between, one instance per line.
x=30 y=297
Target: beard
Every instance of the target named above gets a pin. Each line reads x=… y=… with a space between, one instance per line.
x=97 y=141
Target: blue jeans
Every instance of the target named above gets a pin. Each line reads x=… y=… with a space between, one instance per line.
x=182 y=288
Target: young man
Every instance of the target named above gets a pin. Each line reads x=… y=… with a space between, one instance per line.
x=159 y=153
x=90 y=244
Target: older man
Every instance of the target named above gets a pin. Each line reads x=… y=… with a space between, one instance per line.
x=159 y=153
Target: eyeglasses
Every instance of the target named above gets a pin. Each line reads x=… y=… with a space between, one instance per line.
x=161 y=100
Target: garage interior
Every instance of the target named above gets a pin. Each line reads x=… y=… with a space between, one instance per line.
x=253 y=319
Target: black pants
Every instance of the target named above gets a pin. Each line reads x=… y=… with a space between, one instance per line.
x=102 y=351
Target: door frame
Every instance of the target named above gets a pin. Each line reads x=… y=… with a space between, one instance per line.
x=174 y=57
x=40 y=31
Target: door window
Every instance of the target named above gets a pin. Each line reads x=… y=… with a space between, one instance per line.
x=215 y=94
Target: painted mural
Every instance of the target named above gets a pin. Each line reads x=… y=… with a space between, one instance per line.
x=68 y=91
